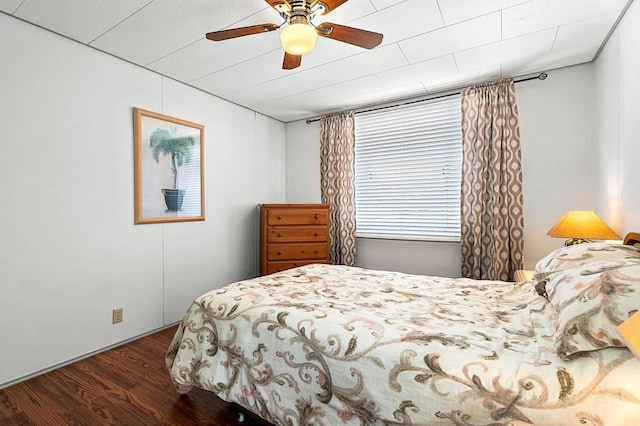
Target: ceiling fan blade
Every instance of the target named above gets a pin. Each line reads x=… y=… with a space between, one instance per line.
x=279 y=5
x=291 y=61
x=355 y=36
x=241 y=31
x=331 y=5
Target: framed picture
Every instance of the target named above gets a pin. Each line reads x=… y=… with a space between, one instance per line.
x=168 y=168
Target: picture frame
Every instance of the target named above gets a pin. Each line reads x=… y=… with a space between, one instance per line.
x=168 y=168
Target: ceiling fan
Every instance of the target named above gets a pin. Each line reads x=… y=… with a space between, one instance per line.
x=299 y=36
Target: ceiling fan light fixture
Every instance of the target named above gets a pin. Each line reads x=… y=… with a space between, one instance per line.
x=298 y=39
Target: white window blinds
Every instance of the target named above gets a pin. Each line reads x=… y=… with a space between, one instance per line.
x=408 y=171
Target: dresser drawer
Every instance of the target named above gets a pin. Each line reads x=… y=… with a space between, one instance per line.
x=296 y=251
x=273 y=267
x=277 y=217
x=291 y=234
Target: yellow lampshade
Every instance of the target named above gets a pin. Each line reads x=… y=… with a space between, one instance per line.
x=630 y=333
x=582 y=224
x=298 y=39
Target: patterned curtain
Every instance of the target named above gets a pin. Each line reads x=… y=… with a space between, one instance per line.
x=337 y=184
x=491 y=199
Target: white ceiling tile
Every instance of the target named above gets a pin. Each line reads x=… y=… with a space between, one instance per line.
x=257 y=70
x=244 y=75
x=346 y=13
x=9 y=6
x=507 y=50
x=79 y=19
x=454 y=11
x=588 y=31
x=385 y=96
x=285 y=113
x=403 y=20
x=459 y=80
x=205 y=56
x=422 y=71
x=383 y=4
x=264 y=92
x=365 y=63
x=334 y=97
x=548 y=61
x=347 y=69
x=188 y=21
x=339 y=94
x=289 y=85
x=538 y=15
x=485 y=30
x=328 y=51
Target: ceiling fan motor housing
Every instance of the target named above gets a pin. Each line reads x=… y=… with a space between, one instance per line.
x=299 y=11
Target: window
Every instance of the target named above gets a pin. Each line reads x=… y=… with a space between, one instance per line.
x=408 y=171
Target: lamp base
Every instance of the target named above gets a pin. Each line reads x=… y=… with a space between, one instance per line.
x=574 y=241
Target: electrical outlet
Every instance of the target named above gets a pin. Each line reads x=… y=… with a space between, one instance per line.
x=117 y=315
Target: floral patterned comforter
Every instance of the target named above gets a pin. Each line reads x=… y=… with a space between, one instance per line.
x=329 y=345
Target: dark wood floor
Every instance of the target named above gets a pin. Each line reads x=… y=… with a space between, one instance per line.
x=128 y=385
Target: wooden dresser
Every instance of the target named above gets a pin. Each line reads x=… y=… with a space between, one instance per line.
x=293 y=235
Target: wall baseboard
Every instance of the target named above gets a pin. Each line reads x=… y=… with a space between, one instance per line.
x=81 y=357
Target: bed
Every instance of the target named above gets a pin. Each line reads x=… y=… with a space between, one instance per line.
x=329 y=345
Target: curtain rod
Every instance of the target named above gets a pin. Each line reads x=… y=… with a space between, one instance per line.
x=541 y=76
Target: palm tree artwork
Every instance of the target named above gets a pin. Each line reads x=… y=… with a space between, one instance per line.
x=180 y=148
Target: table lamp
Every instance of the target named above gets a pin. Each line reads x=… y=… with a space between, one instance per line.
x=581 y=226
x=630 y=333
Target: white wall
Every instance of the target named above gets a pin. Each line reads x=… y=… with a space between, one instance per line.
x=555 y=135
x=303 y=162
x=616 y=126
x=69 y=250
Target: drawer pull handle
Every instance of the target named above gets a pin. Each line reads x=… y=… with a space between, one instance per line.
x=279 y=217
x=279 y=235
x=302 y=252
x=315 y=234
x=316 y=215
x=278 y=253
x=315 y=252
